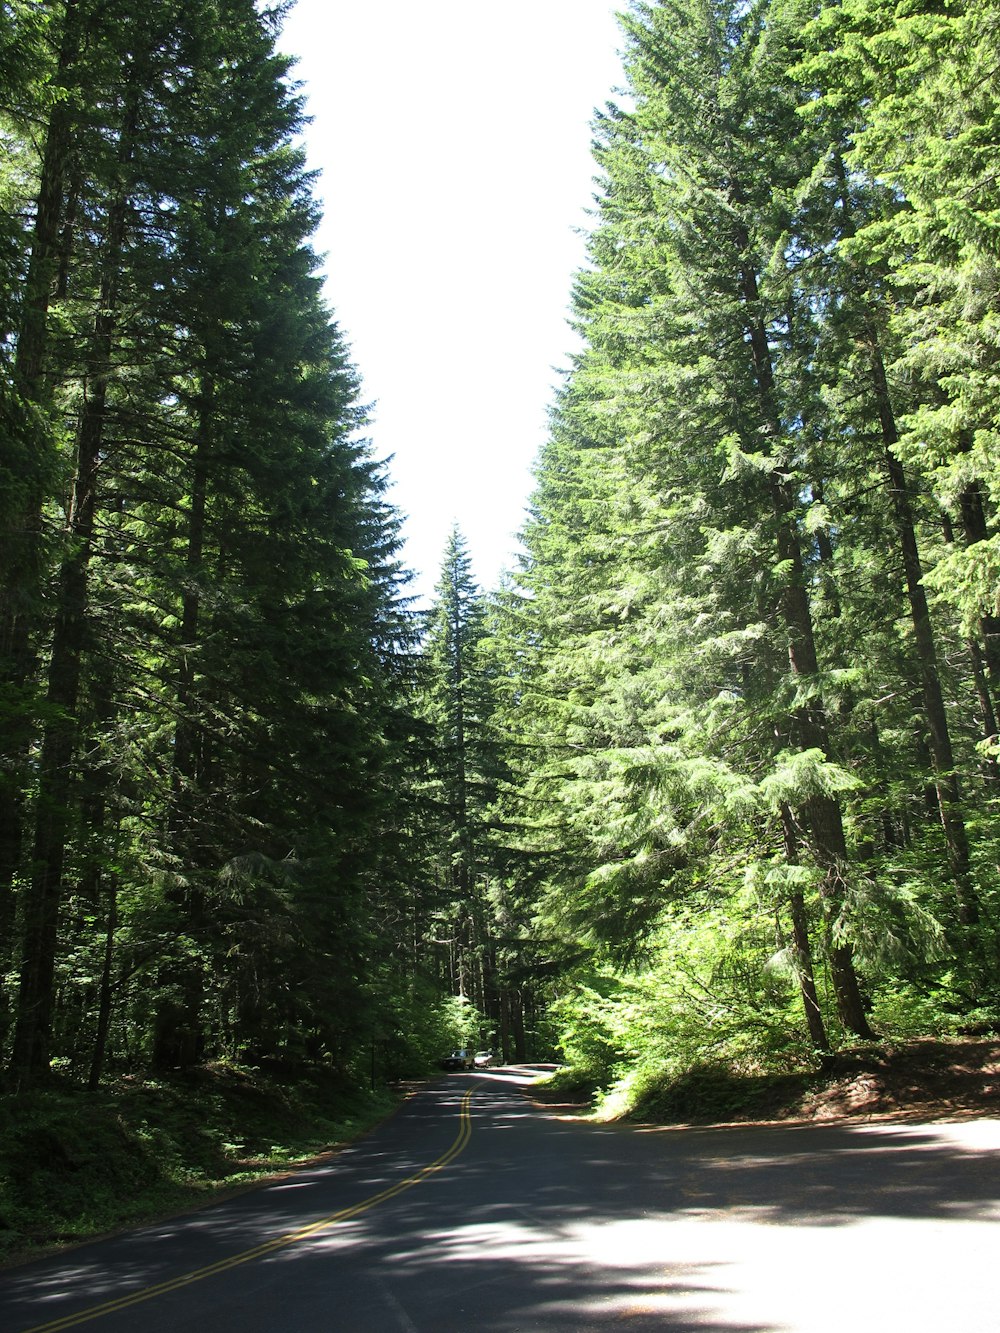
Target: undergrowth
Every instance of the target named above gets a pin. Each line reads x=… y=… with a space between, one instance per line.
x=75 y=1164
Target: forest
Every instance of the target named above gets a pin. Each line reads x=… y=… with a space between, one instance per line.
x=711 y=780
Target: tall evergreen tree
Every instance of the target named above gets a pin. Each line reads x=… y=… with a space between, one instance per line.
x=465 y=769
x=730 y=657
x=219 y=643
x=683 y=331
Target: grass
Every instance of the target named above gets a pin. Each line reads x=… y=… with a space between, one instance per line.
x=75 y=1164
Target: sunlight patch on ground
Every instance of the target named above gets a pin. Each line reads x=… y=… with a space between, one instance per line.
x=731 y=1271
x=967 y=1135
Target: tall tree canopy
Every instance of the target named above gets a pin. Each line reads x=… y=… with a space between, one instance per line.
x=763 y=700
x=200 y=621
x=717 y=772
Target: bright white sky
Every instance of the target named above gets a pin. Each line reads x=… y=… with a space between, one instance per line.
x=453 y=137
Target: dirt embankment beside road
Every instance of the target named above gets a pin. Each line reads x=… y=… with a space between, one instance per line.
x=928 y=1078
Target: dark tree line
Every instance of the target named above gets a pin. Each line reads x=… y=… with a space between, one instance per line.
x=200 y=633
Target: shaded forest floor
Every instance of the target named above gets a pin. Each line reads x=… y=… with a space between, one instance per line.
x=76 y=1164
x=928 y=1078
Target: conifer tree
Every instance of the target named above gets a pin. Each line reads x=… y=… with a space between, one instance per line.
x=218 y=650
x=465 y=769
x=683 y=332
x=846 y=231
x=730 y=656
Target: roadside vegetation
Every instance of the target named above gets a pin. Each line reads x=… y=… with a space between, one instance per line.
x=75 y=1165
x=925 y=1078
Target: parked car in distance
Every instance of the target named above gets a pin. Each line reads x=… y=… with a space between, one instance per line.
x=484 y=1059
x=463 y=1058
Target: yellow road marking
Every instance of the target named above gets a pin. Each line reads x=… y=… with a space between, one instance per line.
x=269 y=1246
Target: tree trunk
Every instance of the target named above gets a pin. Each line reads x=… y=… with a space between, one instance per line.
x=800 y=935
x=21 y=543
x=505 y=1047
x=517 y=1026
x=822 y=815
x=186 y=733
x=976 y=529
x=946 y=779
x=32 y=1034
x=55 y=770
x=104 y=996
x=177 y=1023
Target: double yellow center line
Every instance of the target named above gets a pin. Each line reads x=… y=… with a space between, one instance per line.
x=278 y=1242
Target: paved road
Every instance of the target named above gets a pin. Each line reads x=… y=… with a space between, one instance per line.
x=472 y=1210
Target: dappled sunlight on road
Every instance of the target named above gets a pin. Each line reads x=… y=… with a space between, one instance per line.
x=474 y=1208
x=704 y=1272
x=791 y=1230
x=515 y=1275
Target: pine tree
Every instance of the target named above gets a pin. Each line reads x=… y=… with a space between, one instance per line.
x=465 y=769
x=92 y=261
x=219 y=652
x=684 y=329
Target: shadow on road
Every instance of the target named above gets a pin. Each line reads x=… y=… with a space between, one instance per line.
x=540 y=1223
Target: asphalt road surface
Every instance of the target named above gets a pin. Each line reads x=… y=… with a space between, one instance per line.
x=471 y=1209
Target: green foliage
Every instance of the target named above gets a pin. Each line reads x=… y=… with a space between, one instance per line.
x=710 y=785
x=707 y=1093
x=214 y=618
x=712 y=988
x=477 y=911
x=909 y=1009
x=459 y=1021
x=74 y=1164
x=746 y=755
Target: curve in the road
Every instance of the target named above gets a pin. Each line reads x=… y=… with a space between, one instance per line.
x=277 y=1242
